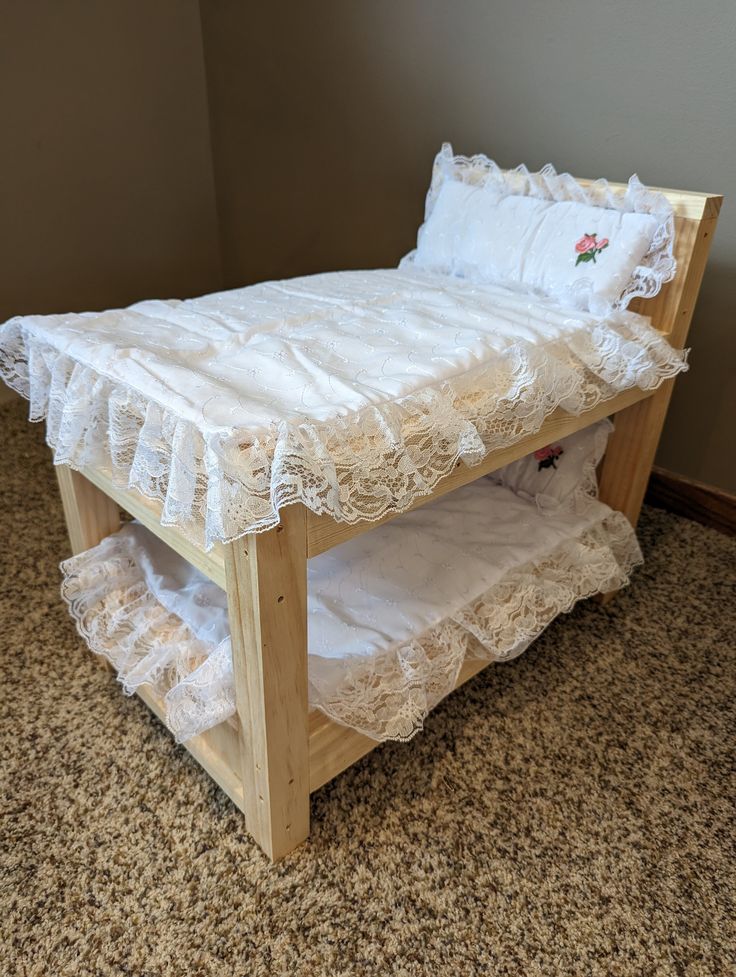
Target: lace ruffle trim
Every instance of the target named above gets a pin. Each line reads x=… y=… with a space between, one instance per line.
x=225 y=484
x=120 y=619
x=387 y=696
x=658 y=265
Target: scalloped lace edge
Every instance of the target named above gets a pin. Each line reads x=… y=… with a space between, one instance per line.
x=121 y=620
x=226 y=484
x=385 y=697
x=658 y=265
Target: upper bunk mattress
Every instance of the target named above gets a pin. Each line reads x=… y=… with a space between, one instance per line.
x=352 y=392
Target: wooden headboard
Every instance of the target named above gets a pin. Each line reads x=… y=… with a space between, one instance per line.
x=628 y=462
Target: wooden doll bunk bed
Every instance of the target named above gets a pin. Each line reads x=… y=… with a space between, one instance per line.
x=274 y=752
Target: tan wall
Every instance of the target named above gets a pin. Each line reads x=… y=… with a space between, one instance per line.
x=326 y=115
x=106 y=187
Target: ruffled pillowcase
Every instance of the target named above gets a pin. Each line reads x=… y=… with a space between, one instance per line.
x=561 y=477
x=590 y=248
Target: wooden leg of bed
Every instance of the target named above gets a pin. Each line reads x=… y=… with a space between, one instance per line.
x=267 y=596
x=629 y=457
x=631 y=449
x=90 y=514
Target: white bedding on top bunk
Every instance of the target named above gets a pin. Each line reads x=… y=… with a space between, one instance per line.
x=392 y=613
x=352 y=392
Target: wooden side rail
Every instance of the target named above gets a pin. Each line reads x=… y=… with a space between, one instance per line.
x=324 y=532
x=148 y=512
x=332 y=747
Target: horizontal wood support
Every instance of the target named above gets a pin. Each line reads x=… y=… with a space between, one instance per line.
x=686 y=204
x=217 y=750
x=324 y=532
x=332 y=747
x=148 y=512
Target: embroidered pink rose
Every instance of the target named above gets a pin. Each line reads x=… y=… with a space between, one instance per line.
x=588 y=247
x=548 y=455
x=586 y=243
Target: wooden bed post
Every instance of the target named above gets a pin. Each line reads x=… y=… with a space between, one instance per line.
x=266 y=577
x=629 y=457
x=90 y=514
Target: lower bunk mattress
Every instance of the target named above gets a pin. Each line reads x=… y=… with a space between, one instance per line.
x=392 y=614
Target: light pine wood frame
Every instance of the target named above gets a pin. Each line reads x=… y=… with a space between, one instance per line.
x=274 y=752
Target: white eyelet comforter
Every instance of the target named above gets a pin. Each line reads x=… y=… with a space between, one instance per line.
x=352 y=392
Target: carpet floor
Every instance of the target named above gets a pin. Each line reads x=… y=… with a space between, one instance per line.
x=570 y=813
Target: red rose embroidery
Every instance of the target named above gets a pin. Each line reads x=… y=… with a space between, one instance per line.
x=547 y=456
x=586 y=243
x=588 y=247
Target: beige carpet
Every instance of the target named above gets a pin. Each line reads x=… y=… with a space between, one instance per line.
x=568 y=814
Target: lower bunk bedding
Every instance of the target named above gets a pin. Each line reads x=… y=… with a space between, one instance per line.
x=392 y=614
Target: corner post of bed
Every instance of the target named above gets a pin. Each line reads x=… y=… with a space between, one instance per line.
x=90 y=515
x=266 y=576
x=630 y=454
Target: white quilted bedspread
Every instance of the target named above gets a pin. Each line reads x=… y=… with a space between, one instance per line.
x=353 y=392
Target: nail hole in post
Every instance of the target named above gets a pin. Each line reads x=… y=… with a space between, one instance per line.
x=279 y=599
x=279 y=528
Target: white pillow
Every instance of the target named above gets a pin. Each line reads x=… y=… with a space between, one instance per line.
x=562 y=475
x=544 y=233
